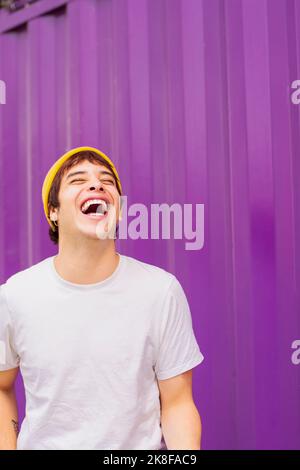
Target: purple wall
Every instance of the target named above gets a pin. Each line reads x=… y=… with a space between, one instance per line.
x=191 y=100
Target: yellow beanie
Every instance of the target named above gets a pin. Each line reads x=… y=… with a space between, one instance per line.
x=57 y=165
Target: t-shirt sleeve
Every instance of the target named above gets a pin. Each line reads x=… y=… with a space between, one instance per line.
x=9 y=359
x=178 y=348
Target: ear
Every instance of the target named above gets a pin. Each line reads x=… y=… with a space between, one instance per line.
x=53 y=214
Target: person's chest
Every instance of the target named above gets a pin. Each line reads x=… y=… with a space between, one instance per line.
x=96 y=332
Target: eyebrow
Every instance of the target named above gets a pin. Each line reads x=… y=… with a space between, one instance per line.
x=102 y=172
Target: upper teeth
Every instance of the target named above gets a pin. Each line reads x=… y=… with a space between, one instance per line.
x=87 y=204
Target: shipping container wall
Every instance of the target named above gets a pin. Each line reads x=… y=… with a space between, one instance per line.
x=192 y=100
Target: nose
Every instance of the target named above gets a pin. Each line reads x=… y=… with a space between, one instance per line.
x=99 y=185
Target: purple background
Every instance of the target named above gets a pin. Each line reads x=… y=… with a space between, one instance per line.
x=192 y=101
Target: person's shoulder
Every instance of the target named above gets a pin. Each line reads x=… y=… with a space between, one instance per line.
x=148 y=272
x=27 y=275
x=24 y=285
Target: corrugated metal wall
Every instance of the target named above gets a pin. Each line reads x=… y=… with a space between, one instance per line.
x=191 y=99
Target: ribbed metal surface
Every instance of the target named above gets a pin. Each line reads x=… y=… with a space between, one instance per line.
x=191 y=100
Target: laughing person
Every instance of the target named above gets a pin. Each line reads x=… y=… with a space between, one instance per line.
x=104 y=342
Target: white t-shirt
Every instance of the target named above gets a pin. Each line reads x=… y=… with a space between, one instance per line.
x=90 y=355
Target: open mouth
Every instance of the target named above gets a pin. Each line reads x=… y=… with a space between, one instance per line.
x=95 y=208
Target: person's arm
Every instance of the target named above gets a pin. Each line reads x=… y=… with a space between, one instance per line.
x=180 y=420
x=8 y=410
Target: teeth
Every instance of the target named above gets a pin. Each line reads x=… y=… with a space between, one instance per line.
x=87 y=204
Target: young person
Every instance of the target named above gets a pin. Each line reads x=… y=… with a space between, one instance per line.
x=104 y=342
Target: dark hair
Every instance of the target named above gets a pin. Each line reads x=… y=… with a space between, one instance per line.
x=79 y=157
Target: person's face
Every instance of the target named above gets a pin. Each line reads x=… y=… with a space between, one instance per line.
x=84 y=182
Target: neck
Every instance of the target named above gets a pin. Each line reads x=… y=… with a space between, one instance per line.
x=87 y=262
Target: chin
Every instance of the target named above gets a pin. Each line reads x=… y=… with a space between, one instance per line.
x=87 y=231
x=95 y=229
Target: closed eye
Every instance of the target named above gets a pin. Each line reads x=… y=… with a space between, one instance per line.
x=105 y=181
x=108 y=181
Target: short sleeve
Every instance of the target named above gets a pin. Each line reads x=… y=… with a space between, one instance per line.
x=9 y=359
x=178 y=349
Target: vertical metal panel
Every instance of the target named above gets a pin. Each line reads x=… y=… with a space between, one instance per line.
x=191 y=100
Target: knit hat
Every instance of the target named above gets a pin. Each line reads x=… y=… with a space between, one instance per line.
x=57 y=165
